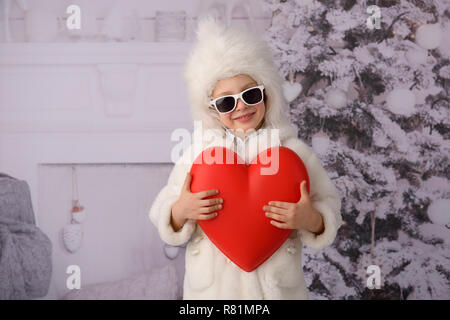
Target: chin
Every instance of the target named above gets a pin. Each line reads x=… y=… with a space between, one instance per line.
x=246 y=126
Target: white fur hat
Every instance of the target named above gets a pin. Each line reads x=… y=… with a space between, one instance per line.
x=223 y=52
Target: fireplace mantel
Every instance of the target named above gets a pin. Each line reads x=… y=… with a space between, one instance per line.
x=80 y=53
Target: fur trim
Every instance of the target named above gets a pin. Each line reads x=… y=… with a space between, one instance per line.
x=331 y=223
x=160 y=215
x=223 y=52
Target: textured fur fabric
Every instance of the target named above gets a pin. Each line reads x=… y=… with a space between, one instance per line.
x=223 y=52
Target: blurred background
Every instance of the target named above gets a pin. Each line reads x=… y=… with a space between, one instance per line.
x=86 y=117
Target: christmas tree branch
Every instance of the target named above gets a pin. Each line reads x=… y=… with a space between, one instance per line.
x=389 y=30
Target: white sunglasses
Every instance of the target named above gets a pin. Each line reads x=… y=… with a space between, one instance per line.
x=228 y=103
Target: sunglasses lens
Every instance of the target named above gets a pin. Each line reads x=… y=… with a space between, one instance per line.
x=252 y=96
x=225 y=104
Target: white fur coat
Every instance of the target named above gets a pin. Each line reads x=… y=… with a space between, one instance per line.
x=209 y=273
x=222 y=52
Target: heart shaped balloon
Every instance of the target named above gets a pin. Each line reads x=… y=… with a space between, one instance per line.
x=241 y=231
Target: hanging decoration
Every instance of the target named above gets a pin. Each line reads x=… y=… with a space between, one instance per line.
x=291 y=89
x=73 y=232
x=171 y=252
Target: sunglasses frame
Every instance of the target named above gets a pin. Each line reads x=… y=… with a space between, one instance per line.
x=236 y=97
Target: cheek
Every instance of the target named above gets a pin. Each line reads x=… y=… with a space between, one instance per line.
x=225 y=118
x=261 y=110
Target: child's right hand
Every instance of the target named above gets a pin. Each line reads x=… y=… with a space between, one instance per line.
x=193 y=206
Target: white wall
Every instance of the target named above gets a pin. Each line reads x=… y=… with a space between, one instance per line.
x=118 y=240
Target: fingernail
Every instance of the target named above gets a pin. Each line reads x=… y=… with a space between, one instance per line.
x=221 y=200
x=267 y=214
x=220 y=206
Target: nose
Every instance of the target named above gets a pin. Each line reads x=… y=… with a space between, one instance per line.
x=241 y=105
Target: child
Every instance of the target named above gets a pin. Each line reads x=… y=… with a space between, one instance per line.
x=229 y=61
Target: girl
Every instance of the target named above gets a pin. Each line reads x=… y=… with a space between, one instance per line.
x=224 y=62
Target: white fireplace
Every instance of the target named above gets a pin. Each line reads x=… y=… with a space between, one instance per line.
x=64 y=106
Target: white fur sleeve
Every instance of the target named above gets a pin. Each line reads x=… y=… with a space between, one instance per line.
x=161 y=210
x=324 y=197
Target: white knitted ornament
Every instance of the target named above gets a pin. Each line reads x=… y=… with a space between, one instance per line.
x=72 y=236
x=73 y=233
x=171 y=252
x=78 y=214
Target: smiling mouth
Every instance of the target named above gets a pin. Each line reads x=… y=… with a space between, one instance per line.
x=244 y=116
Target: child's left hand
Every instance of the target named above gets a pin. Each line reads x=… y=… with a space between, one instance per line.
x=300 y=215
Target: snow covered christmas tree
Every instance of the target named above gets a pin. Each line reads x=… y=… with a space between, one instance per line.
x=375 y=106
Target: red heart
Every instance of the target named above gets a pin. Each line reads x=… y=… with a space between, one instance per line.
x=241 y=231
